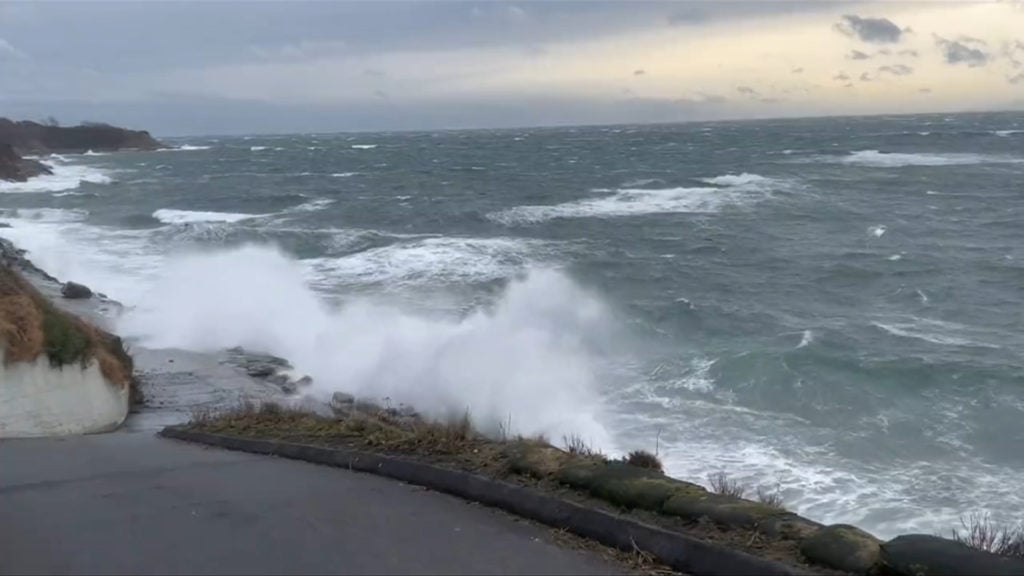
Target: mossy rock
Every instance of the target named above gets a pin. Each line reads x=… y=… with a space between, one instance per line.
x=633 y=487
x=925 y=555
x=725 y=510
x=535 y=459
x=843 y=547
x=580 y=473
x=789 y=526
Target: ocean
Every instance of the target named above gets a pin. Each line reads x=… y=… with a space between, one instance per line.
x=830 y=307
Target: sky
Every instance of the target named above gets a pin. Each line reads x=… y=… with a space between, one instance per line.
x=233 y=67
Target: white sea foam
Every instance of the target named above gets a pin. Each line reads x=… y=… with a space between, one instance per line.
x=877 y=159
x=937 y=332
x=895 y=257
x=627 y=202
x=532 y=346
x=740 y=180
x=344 y=174
x=364 y=146
x=1007 y=133
x=877 y=231
x=806 y=339
x=65 y=177
x=185 y=148
x=91 y=153
x=47 y=215
x=257 y=148
x=172 y=216
x=423 y=260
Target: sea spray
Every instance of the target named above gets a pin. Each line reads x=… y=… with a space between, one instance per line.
x=528 y=359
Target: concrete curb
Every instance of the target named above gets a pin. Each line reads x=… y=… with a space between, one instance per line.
x=681 y=552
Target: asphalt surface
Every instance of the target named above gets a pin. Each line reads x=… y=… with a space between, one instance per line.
x=132 y=503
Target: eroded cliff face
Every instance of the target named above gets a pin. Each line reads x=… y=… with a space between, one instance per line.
x=58 y=374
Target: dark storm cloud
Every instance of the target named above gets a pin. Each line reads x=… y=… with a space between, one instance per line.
x=956 y=52
x=858 y=55
x=896 y=70
x=875 y=30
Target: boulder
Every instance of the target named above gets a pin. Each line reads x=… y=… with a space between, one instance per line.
x=843 y=547
x=17 y=169
x=342 y=404
x=924 y=555
x=75 y=291
x=725 y=510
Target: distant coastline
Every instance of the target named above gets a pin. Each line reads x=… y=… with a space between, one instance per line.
x=24 y=138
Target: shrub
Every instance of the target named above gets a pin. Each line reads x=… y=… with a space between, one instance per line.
x=722 y=484
x=982 y=533
x=644 y=459
x=770 y=497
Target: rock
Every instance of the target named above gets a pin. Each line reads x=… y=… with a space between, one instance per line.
x=725 y=510
x=342 y=404
x=843 y=547
x=75 y=291
x=4 y=225
x=924 y=555
x=17 y=169
x=260 y=370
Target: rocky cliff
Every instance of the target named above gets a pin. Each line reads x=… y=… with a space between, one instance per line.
x=33 y=138
x=14 y=167
x=58 y=373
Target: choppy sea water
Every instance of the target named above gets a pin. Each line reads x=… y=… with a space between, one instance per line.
x=831 y=306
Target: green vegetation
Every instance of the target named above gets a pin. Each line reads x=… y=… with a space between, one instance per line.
x=63 y=340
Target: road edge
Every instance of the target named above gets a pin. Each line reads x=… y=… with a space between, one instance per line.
x=678 y=551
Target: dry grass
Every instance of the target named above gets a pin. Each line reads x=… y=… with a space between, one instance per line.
x=979 y=531
x=644 y=459
x=31 y=326
x=575 y=444
x=721 y=484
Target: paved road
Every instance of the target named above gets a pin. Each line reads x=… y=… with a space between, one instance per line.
x=131 y=503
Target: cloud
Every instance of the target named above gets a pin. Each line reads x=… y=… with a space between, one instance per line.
x=798 y=70
x=842 y=77
x=381 y=95
x=909 y=53
x=858 y=55
x=874 y=30
x=747 y=91
x=1017 y=78
x=956 y=52
x=865 y=77
x=924 y=90
x=639 y=72
x=896 y=70
x=9 y=52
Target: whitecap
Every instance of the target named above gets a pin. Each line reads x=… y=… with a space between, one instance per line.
x=344 y=174
x=364 y=146
x=172 y=216
x=257 y=148
x=895 y=257
x=429 y=260
x=935 y=332
x=877 y=159
x=633 y=202
x=47 y=215
x=877 y=231
x=1007 y=133
x=184 y=148
x=64 y=177
x=806 y=339
x=738 y=180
